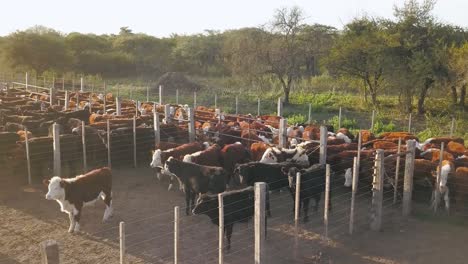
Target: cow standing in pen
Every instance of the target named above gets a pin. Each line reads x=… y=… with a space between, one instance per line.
x=74 y=193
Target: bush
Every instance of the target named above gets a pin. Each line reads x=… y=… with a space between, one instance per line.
x=297 y=119
x=345 y=123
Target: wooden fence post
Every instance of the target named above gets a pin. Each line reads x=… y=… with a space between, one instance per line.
x=297 y=204
x=49 y=252
x=191 y=125
x=81 y=85
x=353 y=194
x=283 y=137
x=51 y=96
x=167 y=113
x=67 y=100
x=397 y=172
x=327 y=199
x=339 y=118
x=237 y=105
x=177 y=96
x=161 y=94
x=176 y=234
x=437 y=193
x=26 y=81
x=377 y=192
x=194 y=101
x=216 y=101
x=53 y=80
x=109 y=162
x=63 y=83
x=77 y=100
x=157 y=131
x=309 y=119
x=147 y=94
x=117 y=106
x=408 y=180
x=28 y=157
x=83 y=142
x=56 y=145
x=409 y=123
x=280 y=107
x=372 y=121
x=221 y=228
x=259 y=221
x=323 y=144
x=122 y=242
x=134 y=143
x=73 y=84
x=452 y=127
x=258 y=106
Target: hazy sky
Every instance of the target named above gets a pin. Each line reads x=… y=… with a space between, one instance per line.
x=161 y=18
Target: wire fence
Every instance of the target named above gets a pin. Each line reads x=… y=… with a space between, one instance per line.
x=147 y=236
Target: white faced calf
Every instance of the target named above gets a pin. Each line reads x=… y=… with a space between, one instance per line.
x=74 y=193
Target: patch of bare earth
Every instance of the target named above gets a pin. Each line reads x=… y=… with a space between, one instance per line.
x=146 y=206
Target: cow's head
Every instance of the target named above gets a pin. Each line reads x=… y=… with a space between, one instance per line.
x=241 y=172
x=292 y=175
x=301 y=157
x=204 y=204
x=156 y=161
x=269 y=156
x=56 y=188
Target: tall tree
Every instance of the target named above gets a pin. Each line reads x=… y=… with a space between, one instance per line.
x=360 y=52
x=284 y=53
x=37 y=48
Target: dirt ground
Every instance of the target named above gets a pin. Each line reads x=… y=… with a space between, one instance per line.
x=146 y=206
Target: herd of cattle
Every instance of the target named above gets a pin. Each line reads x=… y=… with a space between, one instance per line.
x=229 y=155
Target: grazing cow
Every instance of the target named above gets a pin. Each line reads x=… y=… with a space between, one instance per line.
x=195 y=179
x=74 y=193
x=312 y=186
x=208 y=157
x=160 y=156
x=276 y=155
x=275 y=175
x=238 y=207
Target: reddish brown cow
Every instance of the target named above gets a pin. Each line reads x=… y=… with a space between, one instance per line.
x=231 y=155
x=208 y=157
x=257 y=149
x=460 y=192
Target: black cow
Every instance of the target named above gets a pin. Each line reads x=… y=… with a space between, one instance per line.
x=238 y=207
x=274 y=174
x=196 y=179
x=312 y=186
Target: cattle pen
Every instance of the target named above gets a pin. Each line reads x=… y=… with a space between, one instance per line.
x=148 y=226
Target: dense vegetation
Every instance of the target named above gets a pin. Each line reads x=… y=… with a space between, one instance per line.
x=412 y=57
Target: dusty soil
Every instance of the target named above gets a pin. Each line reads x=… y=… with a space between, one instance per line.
x=146 y=206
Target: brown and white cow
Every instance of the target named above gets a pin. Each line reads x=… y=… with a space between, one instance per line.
x=74 y=193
